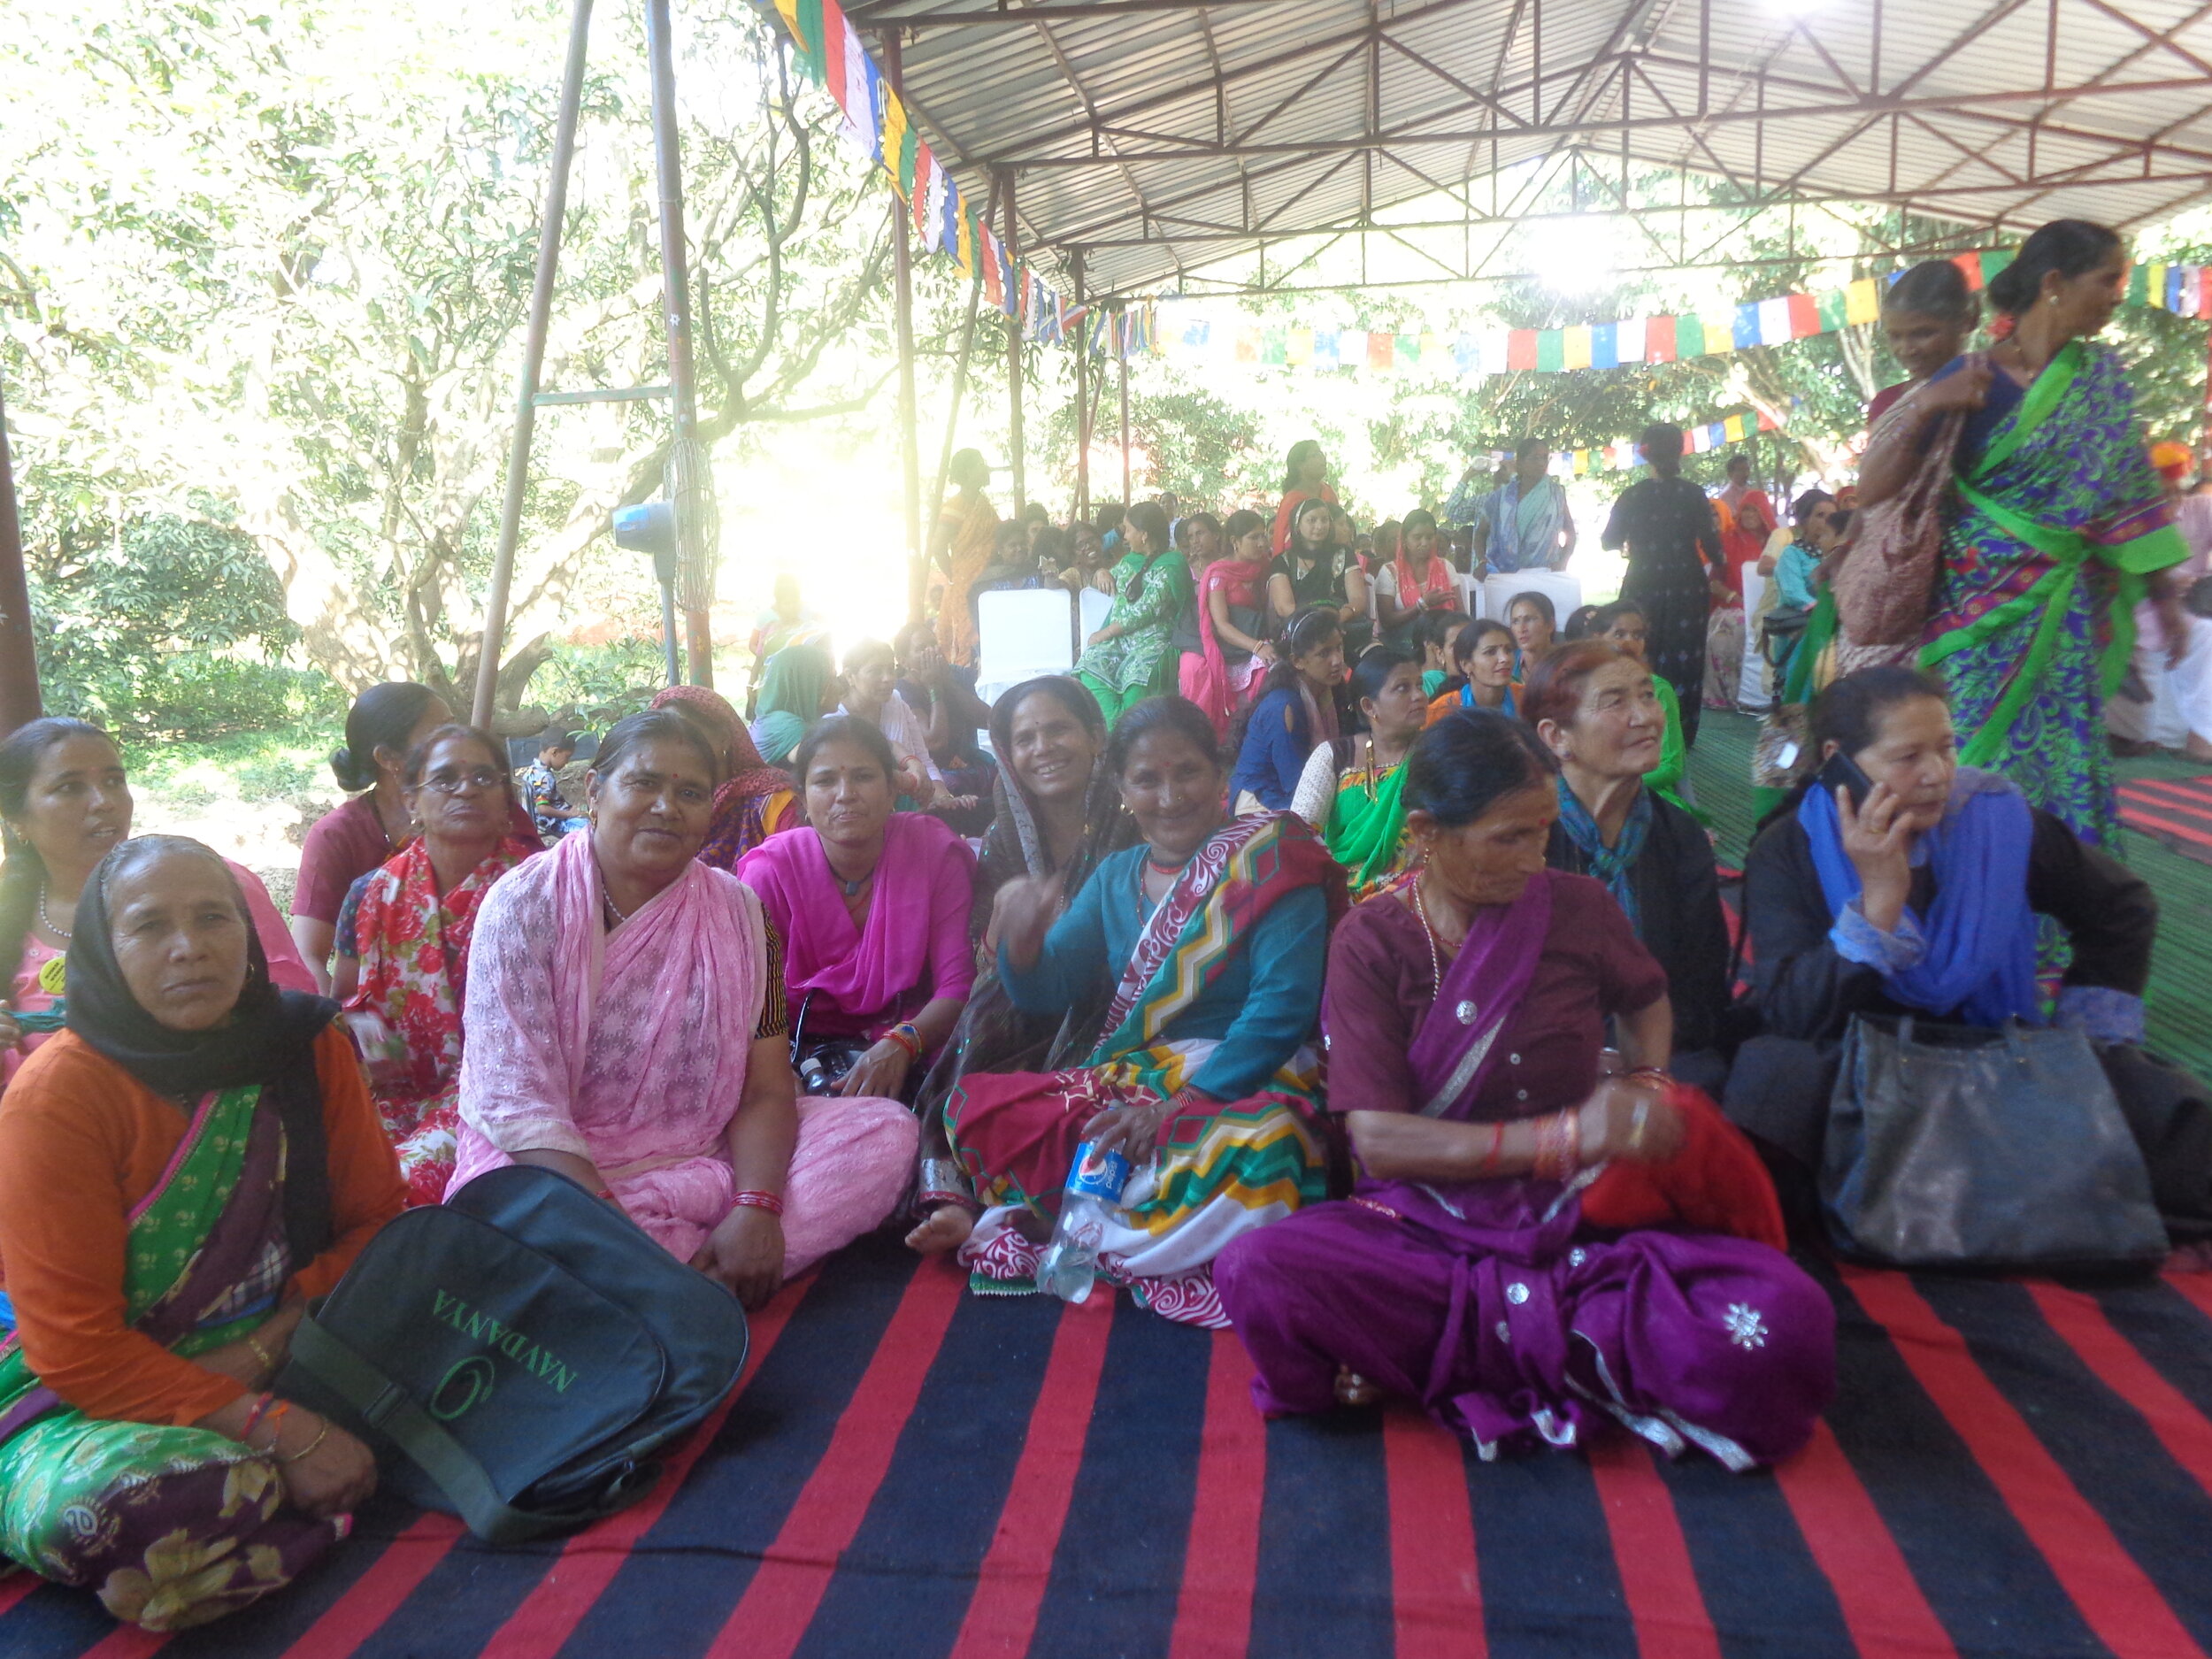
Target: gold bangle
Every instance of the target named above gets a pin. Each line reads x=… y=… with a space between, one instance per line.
x=309 y=1449
x=268 y=1363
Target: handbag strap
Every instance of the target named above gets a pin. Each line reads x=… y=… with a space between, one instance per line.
x=387 y=1408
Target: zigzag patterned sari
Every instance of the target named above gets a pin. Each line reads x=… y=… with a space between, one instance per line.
x=1219 y=1169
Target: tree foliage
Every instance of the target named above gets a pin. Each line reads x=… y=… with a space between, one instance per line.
x=270 y=270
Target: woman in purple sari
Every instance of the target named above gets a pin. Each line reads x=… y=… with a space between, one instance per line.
x=1530 y=1246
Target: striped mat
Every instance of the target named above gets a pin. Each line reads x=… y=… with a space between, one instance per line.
x=2011 y=1469
x=2175 y=811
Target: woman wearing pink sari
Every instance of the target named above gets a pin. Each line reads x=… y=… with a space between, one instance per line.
x=626 y=1028
x=872 y=905
x=1232 y=656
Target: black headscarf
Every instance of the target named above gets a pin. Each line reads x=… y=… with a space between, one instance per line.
x=268 y=1040
x=266 y=1035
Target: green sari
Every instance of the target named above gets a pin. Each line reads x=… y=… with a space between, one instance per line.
x=1366 y=831
x=2045 y=551
x=172 y=1525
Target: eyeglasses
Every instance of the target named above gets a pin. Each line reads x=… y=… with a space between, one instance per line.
x=455 y=782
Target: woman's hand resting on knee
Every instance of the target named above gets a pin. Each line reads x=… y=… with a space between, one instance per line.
x=334 y=1478
x=744 y=1254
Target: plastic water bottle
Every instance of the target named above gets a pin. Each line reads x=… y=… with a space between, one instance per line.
x=1069 y=1266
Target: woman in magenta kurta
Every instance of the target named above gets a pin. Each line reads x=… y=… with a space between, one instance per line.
x=872 y=905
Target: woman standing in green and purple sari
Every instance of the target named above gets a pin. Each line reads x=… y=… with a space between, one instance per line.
x=2057 y=525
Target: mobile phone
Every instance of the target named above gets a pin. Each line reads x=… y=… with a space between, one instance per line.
x=1842 y=772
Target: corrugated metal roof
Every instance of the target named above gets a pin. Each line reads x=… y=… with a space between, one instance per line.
x=1152 y=139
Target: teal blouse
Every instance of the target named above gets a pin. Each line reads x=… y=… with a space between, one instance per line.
x=1260 y=1007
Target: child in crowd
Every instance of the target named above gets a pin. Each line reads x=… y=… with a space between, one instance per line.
x=541 y=781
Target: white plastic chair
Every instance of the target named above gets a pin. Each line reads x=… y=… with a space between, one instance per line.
x=1023 y=633
x=1565 y=592
x=1754 y=685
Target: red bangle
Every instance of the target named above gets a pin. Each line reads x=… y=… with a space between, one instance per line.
x=260 y=1404
x=773 y=1202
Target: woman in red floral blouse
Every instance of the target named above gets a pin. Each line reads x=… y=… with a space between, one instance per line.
x=412 y=920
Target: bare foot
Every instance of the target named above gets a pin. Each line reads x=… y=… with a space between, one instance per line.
x=2197 y=747
x=945 y=1231
x=1351 y=1390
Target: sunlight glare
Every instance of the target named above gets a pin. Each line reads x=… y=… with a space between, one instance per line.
x=1572 y=255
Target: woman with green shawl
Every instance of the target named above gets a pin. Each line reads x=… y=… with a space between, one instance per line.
x=1352 y=788
x=1131 y=658
x=2055 y=527
x=791 y=691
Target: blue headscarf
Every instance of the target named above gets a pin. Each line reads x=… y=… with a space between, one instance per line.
x=1979 y=931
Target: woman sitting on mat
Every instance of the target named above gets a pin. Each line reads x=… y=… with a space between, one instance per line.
x=1420 y=581
x=1535 y=621
x=1129 y=658
x=1483 y=654
x=1202 y=1075
x=1351 y=788
x=179 y=1172
x=1597 y=710
x=404 y=946
x=872 y=908
x=1296 y=709
x=1914 y=890
x=64 y=804
x=627 y=1029
x=1510 y=1257
x=1059 y=813
x=1622 y=625
x=1433 y=637
x=871 y=695
x=795 y=687
x=755 y=799
x=1233 y=652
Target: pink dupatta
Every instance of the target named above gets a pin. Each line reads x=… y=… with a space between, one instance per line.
x=861 y=973
x=1206 y=677
x=627 y=1046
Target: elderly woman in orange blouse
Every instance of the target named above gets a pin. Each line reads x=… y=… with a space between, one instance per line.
x=181 y=1170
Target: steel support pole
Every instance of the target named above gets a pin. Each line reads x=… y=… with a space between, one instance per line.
x=18 y=647
x=903 y=312
x=532 y=363
x=1125 y=426
x=952 y=422
x=1082 y=400
x=1014 y=350
x=683 y=385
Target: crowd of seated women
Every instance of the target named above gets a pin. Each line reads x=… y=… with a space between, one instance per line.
x=1409 y=1006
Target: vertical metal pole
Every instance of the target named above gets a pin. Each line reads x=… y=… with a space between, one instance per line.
x=19 y=649
x=1082 y=400
x=1014 y=349
x=533 y=361
x=683 y=386
x=952 y=413
x=1124 y=422
x=903 y=315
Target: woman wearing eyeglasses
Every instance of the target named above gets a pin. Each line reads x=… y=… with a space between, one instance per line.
x=403 y=945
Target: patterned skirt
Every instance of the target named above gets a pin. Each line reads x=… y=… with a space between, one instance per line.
x=170 y=1527
x=1216 y=1174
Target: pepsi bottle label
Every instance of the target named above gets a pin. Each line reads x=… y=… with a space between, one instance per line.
x=1097 y=1174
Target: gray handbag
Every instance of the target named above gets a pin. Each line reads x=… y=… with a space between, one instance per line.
x=1954 y=1146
